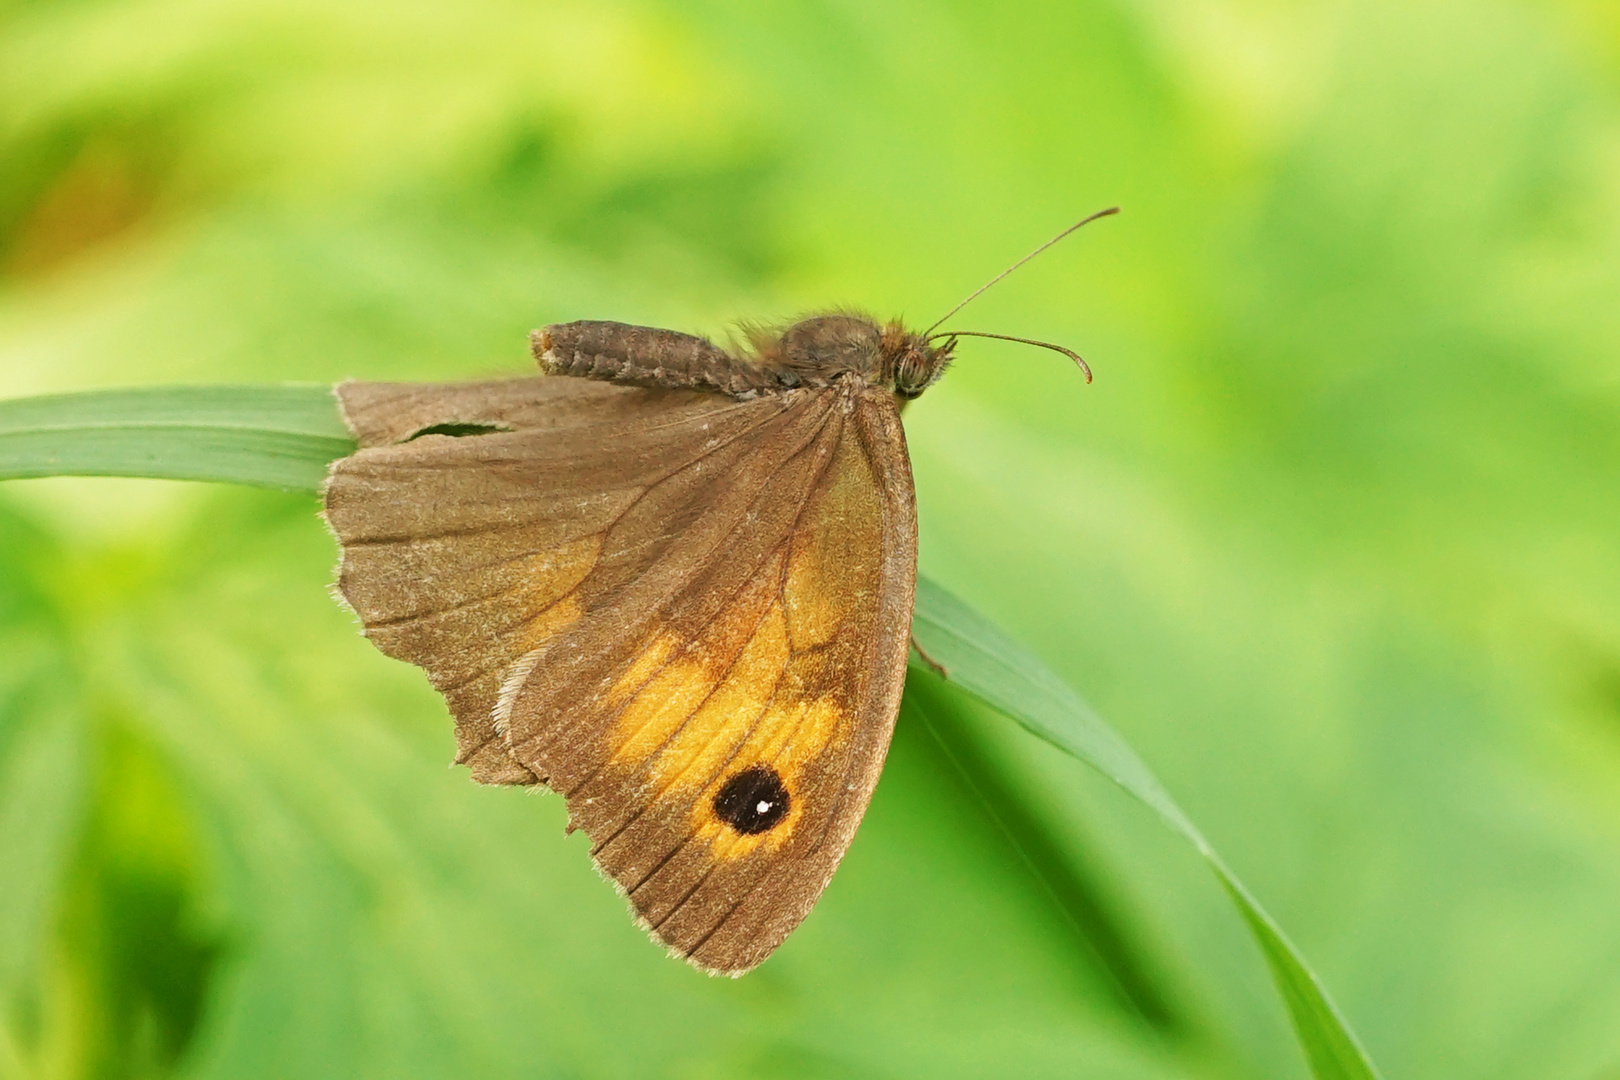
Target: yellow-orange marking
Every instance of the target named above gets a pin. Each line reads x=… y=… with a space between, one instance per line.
x=674 y=694
x=722 y=721
x=550 y=574
x=656 y=653
x=549 y=624
x=790 y=734
x=834 y=563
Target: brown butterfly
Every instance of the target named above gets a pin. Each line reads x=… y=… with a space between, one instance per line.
x=672 y=582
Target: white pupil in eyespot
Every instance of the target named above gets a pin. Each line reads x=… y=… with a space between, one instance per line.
x=762 y=807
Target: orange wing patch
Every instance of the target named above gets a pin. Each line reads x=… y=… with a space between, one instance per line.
x=834 y=569
x=650 y=660
x=553 y=573
x=552 y=577
x=678 y=701
x=786 y=739
x=757 y=688
x=732 y=699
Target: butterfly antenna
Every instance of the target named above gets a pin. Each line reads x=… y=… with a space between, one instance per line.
x=974 y=295
x=1070 y=353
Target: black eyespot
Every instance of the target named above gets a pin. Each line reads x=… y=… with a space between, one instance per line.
x=753 y=801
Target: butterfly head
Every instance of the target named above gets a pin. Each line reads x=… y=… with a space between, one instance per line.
x=910 y=364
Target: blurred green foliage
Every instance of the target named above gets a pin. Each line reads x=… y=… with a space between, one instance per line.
x=1332 y=537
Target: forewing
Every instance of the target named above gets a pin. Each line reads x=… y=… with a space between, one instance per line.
x=696 y=614
x=722 y=740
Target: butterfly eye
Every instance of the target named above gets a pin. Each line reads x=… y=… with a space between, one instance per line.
x=913 y=374
x=753 y=801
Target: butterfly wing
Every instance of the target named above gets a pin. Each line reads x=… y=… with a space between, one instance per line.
x=686 y=613
x=462 y=554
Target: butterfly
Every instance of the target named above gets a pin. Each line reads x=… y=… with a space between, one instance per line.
x=672 y=582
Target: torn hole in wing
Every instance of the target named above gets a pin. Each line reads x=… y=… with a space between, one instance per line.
x=457 y=431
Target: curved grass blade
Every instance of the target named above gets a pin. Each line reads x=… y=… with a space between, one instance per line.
x=285 y=436
x=988 y=664
x=1077 y=885
x=268 y=436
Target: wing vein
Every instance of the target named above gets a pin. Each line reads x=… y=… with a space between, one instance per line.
x=788 y=535
x=696 y=885
x=711 y=931
x=509 y=663
x=675 y=589
x=647 y=804
x=885 y=481
x=466 y=531
x=843 y=786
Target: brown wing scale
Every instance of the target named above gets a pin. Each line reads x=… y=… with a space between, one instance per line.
x=686 y=613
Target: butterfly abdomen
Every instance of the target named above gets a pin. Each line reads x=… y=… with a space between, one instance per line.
x=646 y=356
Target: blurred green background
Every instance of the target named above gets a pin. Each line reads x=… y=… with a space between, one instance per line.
x=1332 y=539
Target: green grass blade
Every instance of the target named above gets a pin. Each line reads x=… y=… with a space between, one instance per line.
x=268 y=436
x=285 y=436
x=1072 y=879
x=992 y=667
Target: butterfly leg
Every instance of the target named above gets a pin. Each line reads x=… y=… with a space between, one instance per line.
x=939 y=668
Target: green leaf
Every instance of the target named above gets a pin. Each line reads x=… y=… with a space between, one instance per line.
x=285 y=436
x=268 y=436
x=995 y=669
